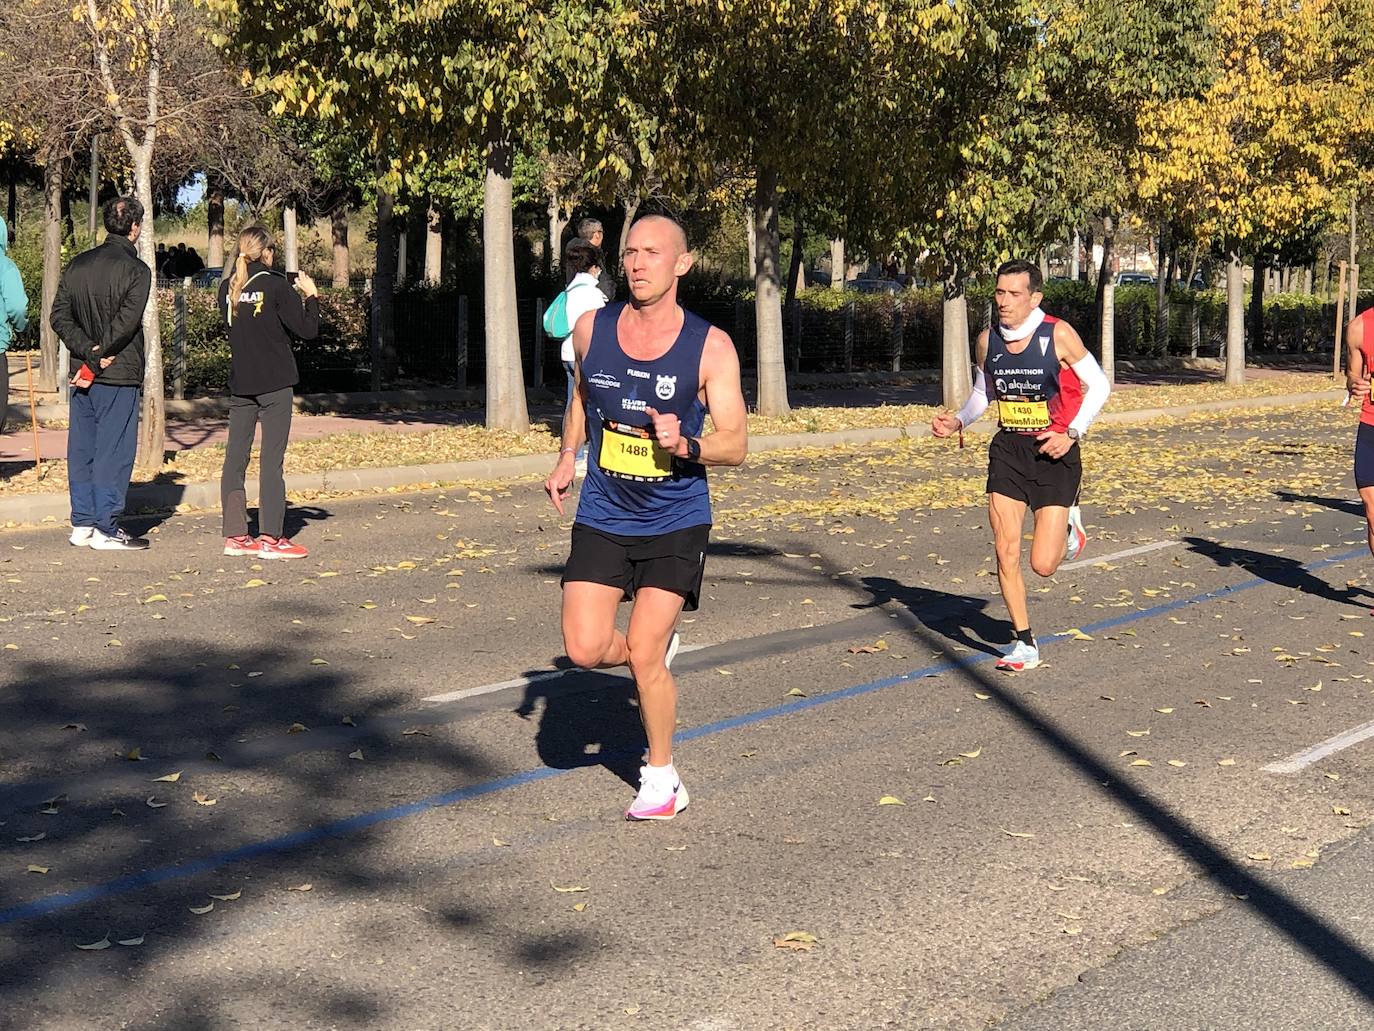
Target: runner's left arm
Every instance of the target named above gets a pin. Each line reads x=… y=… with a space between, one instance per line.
x=1356 y=369
x=1069 y=347
x=728 y=443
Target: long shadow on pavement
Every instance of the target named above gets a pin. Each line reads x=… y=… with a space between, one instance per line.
x=1327 y=944
x=1278 y=570
x=127 y=855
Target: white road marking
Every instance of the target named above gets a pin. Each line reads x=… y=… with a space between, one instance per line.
x=553 y=674
x=533 y=678
x=1318 y=752
x=1128 y=553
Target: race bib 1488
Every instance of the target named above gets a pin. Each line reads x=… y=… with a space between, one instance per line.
x=629 y=453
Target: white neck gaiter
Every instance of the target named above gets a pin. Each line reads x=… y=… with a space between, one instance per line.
x=1025 y=329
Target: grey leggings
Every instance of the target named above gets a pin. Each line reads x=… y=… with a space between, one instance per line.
x=274 y=412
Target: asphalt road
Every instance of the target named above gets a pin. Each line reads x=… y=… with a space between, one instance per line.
x=380 y=723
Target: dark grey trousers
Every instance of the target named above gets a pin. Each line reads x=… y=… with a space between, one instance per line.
x=273 y=411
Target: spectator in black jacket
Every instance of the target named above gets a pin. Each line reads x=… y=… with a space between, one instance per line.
x=262 y=312
x=98 y=314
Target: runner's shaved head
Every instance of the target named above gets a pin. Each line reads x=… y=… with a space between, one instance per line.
x=664 y=224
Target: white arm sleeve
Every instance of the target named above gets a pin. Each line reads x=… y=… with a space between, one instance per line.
x=1096 y=392
x=977 y=402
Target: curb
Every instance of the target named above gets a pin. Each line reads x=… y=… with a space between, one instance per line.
x=162 y=497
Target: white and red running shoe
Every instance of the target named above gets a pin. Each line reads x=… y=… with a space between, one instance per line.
x=1019 y=658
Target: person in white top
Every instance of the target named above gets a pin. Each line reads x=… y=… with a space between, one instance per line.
x=584 y=260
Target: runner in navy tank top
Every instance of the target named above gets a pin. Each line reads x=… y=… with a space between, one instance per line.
x=1047 y=389
x=646 y=373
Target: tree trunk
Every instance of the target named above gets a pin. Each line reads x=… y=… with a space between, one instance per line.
x=837 y=269
x=1235 y=322
x=1074 y=265
x=631 y=209
x=772 y=399
x=152 y=427
x=12 y=201
x=1106 y=302
x=1172 y=276
x=290 y=238
x=434 y=246
x=401 y=227
x=93 y=192
x=1085 y=270
x=338 y=235
x=795 y=280
x=956 y=364
x=214 y=214
x=751 y=238
x=506 y=408
x=384 y=292
x=1044 y=264
x=1162 y=295
x=48 y=343
x=557 y=223
x=1259 y=274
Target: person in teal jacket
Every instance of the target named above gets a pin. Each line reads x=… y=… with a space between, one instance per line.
x=14 y=312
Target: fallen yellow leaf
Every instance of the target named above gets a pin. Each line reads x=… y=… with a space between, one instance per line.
x=800 y=941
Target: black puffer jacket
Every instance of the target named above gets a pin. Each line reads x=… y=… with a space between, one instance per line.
x=98 y=311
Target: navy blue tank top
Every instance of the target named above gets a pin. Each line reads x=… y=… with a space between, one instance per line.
x=1031 y=390
x=633 y=487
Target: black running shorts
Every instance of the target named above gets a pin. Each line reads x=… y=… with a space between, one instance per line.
x=1364 y=456
x=671 y=561
x=1017 y=469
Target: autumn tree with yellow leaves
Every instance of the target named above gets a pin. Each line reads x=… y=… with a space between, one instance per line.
x=1267 y=152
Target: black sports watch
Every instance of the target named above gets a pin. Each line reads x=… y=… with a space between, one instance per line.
x=693 y=449
x=1073 y=434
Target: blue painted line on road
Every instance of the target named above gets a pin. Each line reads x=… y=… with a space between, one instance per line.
x=353 y=824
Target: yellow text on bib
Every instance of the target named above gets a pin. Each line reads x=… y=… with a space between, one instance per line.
x=628 y=453
x=1023 y=416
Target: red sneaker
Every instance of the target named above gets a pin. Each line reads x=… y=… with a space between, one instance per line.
x=280 y=547
x=244 y=545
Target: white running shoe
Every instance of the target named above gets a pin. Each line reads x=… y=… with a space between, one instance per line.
x=81 y=536
x=674 y=643
x=119 y=541
x=1019 y=657
x=658 y=798
x=1078 y=537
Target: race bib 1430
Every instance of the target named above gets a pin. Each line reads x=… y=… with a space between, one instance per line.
x=629 y=453
x=1023 y=416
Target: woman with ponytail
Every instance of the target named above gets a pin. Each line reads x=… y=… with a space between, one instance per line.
x=263 y=313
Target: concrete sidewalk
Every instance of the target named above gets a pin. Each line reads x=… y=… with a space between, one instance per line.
x=40 y=508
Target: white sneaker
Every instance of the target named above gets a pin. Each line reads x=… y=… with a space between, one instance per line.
x=81 y=536
x=1078 y=537
x=659 y=798
x=674 y=643
x=1019 y=657
x=120 y=541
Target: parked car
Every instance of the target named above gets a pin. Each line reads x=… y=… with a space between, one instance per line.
x=207 y=277
x=873 y=286
x=1134 y=279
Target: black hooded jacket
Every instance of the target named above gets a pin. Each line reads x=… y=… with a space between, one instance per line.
x=265 y=316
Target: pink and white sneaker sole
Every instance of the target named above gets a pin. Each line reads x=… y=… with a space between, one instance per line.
x=666 y=811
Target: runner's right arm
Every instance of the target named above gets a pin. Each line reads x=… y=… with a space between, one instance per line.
x=947 y=423
x=1356 y=372
x=574 y=418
